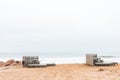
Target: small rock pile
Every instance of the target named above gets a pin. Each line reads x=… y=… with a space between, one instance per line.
x=10 y=62
x=101 y=69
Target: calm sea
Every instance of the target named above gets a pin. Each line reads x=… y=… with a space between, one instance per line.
x=61 y=58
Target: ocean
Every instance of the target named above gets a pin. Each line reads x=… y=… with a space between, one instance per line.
x=60 y=59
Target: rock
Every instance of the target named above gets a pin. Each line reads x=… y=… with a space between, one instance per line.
x=101 y=69
x=18 y=62
x=2 y=63
x=6 y=64
x=13 y=64
x=10 y=62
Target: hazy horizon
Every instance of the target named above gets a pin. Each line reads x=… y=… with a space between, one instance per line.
x=62 y=27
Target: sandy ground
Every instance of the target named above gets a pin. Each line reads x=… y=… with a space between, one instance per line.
x=61 y=72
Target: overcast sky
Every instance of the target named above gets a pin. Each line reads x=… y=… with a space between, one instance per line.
x=59 y=26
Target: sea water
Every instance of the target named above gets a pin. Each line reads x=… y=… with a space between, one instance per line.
x=63 y=59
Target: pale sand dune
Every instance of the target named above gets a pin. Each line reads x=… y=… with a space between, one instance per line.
x=61 y=72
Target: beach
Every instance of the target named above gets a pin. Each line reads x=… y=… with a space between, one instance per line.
x=61 y=72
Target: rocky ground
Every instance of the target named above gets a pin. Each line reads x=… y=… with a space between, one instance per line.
x=13 y=70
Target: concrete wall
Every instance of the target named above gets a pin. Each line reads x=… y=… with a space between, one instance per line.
x=90 y=59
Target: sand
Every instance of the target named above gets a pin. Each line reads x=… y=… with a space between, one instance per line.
x=61 y=72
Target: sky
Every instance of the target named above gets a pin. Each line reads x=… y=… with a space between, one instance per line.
x=59 y=26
